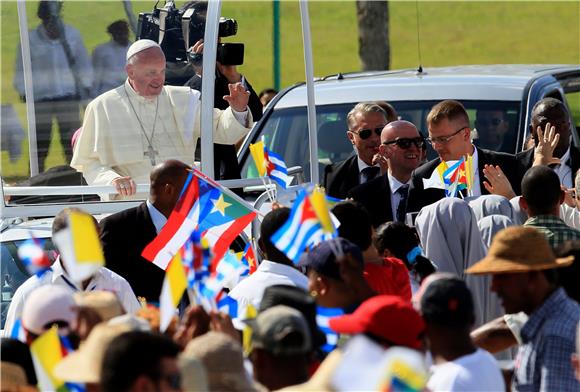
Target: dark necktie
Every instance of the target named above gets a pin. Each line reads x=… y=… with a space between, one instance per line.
x=403 y=191
x=369 y=172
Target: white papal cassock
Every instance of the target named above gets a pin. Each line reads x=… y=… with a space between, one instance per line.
x=112 y=142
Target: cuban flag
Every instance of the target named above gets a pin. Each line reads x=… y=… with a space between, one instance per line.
x=303 y=228
x=271 y=164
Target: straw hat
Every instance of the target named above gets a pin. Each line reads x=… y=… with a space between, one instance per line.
x=84 y=365
x=105 y=303
x=519 y=249
x=14 y=378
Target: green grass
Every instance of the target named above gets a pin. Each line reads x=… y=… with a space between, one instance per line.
x=451 y=33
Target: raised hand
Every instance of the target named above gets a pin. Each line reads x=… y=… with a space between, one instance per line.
x=547 y=142
x=238 y=98
x=497 y=183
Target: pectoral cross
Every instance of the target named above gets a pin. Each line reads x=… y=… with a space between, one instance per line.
x=151 y=154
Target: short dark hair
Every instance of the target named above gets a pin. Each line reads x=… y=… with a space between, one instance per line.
x=549 y=109
x=448 y=109
x=133 y=354
x=267 y=91
x=448 y=302
x=541 y=190
x=355 y=223
x=60 y=221
x=16 y=352
x=273 y=221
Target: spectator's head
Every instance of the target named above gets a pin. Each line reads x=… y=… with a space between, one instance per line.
x=266 y=95
x=390 y=110
x=18 y=353
x=119 y=31
x=60 y=221
x=387 y=320
x=140 y=361
x=396 y=239
x=449 y=131
x=521 y=263
x=298 y=299
x=553 y=111
x=94 y=307
x=167 y=181
x=84 y=365
x=447 y=304
x=404 y=145
x=568 y=277
x=365 y=124
x=223 y=360
x=355 y=223
x=47 y=306
x=273 y=221
x=324 y=279
x=491 y=126
x=281 y=347
x=541 y=192
x=146 y=68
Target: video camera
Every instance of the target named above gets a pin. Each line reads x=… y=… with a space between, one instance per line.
x=176 y=30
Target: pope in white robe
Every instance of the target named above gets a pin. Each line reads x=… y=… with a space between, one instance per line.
x=128 y=130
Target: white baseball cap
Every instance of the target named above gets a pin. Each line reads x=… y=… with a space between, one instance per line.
x=46 y=305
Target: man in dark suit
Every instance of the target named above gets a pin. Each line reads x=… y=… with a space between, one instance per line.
x=125 y=234
x=365 y=123
x=386 y=196
x=450 y=136
x=552 y=111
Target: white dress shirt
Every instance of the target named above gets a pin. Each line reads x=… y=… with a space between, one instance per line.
x=109 y=61
x=104 y=279
x=159 y=220
x=52 y=76
x=268 y=273
x=564 y=171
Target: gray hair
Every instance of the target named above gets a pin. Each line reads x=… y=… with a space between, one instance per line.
x=363 y=108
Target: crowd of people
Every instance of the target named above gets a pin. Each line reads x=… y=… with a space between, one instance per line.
x=421 y=290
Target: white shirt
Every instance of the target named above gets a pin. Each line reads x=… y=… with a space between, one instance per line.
x=159 y=220
x=395 y=184
x=268 y=273
x=109 y=66
x=570 y=215
x=104 y=279
x=476 y=188
x=52 y=76
x=564 y=171
x=474 y=372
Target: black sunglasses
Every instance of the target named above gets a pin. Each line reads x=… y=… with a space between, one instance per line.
x=405 y=143
x=366 y=132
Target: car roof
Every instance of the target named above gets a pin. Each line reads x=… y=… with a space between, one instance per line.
x=468 y=82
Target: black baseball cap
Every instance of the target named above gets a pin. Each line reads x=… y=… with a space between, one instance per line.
x=322 y=258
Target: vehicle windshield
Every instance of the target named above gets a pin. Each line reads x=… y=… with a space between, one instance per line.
x=285 y=131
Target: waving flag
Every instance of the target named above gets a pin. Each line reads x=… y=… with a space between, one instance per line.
x=227 y=274
x=453 y=179
x=271 y=164
x=436 y=179
x=196 y=258
x=46 y=352
x=33 y=257
x=223 y=216
x=174 y=285
x=80 y=246
x=181 y=223
x=249 y=259
x=303 y=228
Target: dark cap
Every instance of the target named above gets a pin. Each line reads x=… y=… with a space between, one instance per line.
x=447 y=301
x=322 y=258
x=281 y=330
x=299 y=299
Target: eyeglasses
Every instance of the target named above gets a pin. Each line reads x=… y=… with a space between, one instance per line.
x=174 y=380
x=405 y=143
x=366 y=132
x=491 y=122
x=444 y=139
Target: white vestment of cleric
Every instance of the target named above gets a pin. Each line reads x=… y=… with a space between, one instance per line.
x=112 y=142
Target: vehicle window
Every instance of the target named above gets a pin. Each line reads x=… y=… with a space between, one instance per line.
x=13 y=272
x=285 y=131
x=573 y=99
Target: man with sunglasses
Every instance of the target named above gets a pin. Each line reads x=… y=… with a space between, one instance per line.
x=552 y=111
x=450 y=137
x=385 y=196
x=365 y=123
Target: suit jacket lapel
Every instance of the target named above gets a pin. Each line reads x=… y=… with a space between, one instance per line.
x=149 y=231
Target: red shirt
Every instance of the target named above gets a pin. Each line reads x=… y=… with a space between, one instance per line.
x=390 y=278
